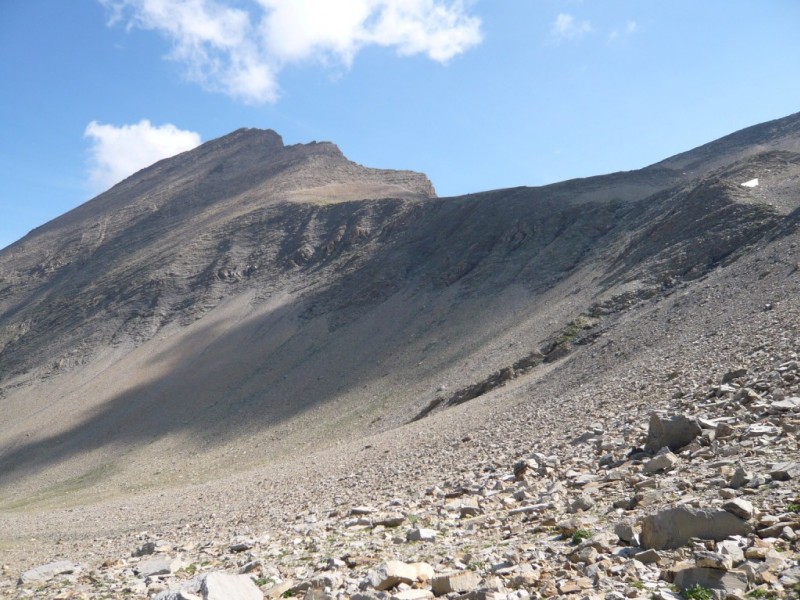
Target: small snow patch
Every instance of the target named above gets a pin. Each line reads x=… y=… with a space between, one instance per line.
x=751 y=183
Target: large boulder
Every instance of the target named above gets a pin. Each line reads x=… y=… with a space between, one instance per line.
x=673 y=527
x=671 y=432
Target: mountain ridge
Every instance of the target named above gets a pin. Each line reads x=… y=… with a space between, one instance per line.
x=233 y=238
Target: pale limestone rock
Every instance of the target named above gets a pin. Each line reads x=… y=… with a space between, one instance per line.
x=728 y=582
x=47 y=572
x=626 y=531
x=661 y=462
x=421 y=534
x=161 y=565
x=391 y=573
x=412 y=594
x=733 y=549
x=462 y=581
x=739 y=507
x=673 y=527
x=424 y=571
x=223 y=586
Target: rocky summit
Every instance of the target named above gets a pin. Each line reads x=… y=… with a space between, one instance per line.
x=258 y=371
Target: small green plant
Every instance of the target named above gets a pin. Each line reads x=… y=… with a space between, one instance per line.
x=794 y=507
x=698 y=592
x=289 y=594
x=580 y=535
x=637 y=584
x=190 y=569
x=262 y=581
x=762 y=594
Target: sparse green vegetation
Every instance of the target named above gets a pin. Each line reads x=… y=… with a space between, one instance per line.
x=762 y=594
x=794 y=508
x=580 y=535
x=698 y=592
x=189 y=569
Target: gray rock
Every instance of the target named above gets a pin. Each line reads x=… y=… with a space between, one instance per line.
x=728 y=582
x=391 y=573
x=412 y=594
x=582 y=502
x=626 y=532
x=673 y=527
x=734 y=374
x=177 y=595
x=145 y=549
x=393 y=520
x=421 y=534
x=47 y=572
x=785 y=405
x=713 y=560
x=223 y=586
x=740 y=478
x=661 y=462
x=462 y=581
x=162 y=565
x=739 y=507
x=648 y=557
x=469 y=507
x=733 y=549
x=240 y=544
x=672 y=432
x=785 y=471
x=357 y=511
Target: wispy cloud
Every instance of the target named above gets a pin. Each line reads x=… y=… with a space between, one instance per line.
x=567 y=27
x=239 y=48
x=630 y=28
x=117 y=152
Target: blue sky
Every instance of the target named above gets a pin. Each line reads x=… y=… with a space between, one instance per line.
x=477 y=94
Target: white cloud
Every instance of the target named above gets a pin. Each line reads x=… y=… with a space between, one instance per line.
x=117 y=152
x=630 y=28
x=567 y=27
x=240 y=49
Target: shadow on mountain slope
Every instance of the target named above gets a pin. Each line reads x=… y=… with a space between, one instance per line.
x=434 y=293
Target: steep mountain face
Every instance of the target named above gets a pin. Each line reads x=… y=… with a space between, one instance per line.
x=247 y=294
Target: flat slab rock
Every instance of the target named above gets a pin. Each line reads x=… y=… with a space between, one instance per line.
x=215 y=586
x=160 y=565
x=674 y=527
x=47 y=572
x=462 y=581
x=730 y=582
